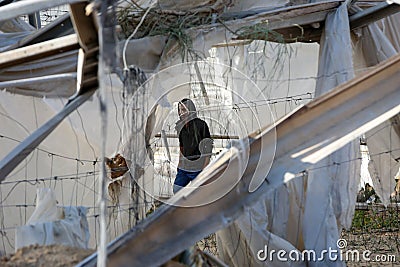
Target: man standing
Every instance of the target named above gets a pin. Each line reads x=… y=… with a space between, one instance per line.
x=195 y=144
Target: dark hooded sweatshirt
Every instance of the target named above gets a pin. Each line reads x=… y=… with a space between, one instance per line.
x=194 y=140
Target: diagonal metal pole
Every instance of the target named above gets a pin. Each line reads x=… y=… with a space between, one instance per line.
x=107 y=56
x=18 y=154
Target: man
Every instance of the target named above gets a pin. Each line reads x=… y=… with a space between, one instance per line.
x=195 y=144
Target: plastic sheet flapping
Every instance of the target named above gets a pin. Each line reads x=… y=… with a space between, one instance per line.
x=328 y=207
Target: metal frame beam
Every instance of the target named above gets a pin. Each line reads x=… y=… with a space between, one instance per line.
x=372 y=14
x=24 y=7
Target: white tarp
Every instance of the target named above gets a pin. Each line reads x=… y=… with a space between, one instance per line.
x=247 y=242
x=46 y=207
x=48 y=225
x=145 y=52
x=328 y=206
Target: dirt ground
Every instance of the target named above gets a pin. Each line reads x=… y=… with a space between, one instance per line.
x=384 y=244
x=41 y=256
x=384 y=248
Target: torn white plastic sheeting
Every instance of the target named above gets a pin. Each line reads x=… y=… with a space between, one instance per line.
x=19 y=153
x=46 y=207
x=331 y=191
x=80 y=137
x=247 y=242
x=391 y=28
x=382 y=165
x=72 y=231
x=50 y=224
x=381 y=41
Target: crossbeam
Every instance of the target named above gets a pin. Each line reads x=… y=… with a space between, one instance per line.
x=372 y=14
x=38 y=51
x=213 y=136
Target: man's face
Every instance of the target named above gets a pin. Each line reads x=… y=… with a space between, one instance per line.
x=183 y=112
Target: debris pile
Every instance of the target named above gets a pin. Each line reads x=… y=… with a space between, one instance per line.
x=40 y=256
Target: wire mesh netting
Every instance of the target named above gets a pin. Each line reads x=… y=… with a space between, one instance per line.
x=48 y=15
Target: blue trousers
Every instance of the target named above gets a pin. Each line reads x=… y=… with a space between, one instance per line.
x=183 y=178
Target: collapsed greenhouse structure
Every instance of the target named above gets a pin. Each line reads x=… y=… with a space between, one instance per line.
x=302 y=99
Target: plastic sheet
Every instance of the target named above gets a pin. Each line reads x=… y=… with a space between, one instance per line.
x=240 y=243
x=48 y=226
x=46 y=207
x=328 y=207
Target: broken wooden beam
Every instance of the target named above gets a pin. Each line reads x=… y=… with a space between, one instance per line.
x=372 y=14
x=84 y=26
x=86 y=31
x=38 y=51
x=300 y=23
